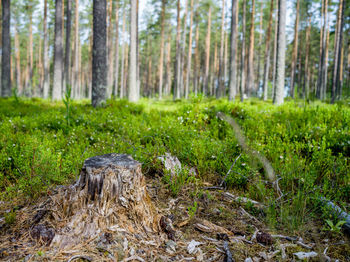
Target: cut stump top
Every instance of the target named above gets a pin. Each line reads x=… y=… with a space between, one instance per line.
x=112 y=159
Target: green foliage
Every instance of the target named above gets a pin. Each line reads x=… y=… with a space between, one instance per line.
x=192 y=210
x=10 y=217
x=335 y=228
x=308 y=146
x=67 y=100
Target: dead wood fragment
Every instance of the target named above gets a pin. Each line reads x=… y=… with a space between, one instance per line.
x=230 y=197
x=264 y=238
x=208 y=227
x=228 y=254
x=79 y=257
x=43 y=233
x=40 y=214
x=166 y=226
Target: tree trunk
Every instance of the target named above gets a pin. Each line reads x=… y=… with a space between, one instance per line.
x=99 y=54
x=295 y=51
x=196 y=68
x=267 y=53
x=275 y=52
x=75 y=81
x=233 y=48
x=220 y=91
x=58 y=54
x=183 y=48
x=6 y=50
x=259 y=47
x=250 y=75
x=66 y=77
x=161 y=55
x=29 y=87
x=338 y=45
x=116 y=69
x=122 y=87
x=126 y=72
x=207 y=54
x=325 y=69
x=177 y=71
x=18 y=63
x=241 y=87
x=110 y=62
x=189 y=55
x=281 y=49
x=46 y=84
x=133 y=94
x=168 y=67
x=307 y=70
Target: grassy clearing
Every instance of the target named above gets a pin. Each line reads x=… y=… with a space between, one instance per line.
x=308 y=146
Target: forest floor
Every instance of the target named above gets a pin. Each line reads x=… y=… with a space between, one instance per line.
x=308 y=146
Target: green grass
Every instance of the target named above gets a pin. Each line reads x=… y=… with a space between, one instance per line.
x=307 y=144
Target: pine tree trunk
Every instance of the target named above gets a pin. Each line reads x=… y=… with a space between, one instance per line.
x=207 y=55
x=168 y=67
x=99 y=54
x=110 y=62
x=122 y=87
x=18 y=63
x=233 y=48
x=268 y=52
x=161 y=55
x=126 y=72
x=281 y=49
x=58 y=54
x=6 y=50
x=337 y=46
x=46 y=84
x=243 y=52
x=183 y=48
x=259 y=48
x=214 y=71
x=339 y=77
x=75 y=81
x=133 y=94
x=116 y=62
x=225 y=59
x=295 y=51
x=325 y=69
x=196 y=68
x=250 y=74
x=275 y=52
x=177 y=71
x=66 y=77
x=322 y=65
x=29 y=87
x=220 y=91
x=189 y=55
x=307 y=70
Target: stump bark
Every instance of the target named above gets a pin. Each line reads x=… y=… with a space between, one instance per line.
x=110 y=195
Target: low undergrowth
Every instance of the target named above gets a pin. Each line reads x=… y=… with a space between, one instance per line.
x=307 y=145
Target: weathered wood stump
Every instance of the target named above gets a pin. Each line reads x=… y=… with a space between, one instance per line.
x=109 y=196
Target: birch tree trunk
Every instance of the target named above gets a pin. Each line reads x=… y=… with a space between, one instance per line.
x=46 y=84
x=116 y=62
x=58 y=54
x=99 y=54
x=189 y=55
x=161 y=56
x=250 y=75
x=295 y=51
x=133 y=94
x=6 y=50
x=241 y=88
x=233 y=48
x=267 y=53
x=281 y=49
x=220 y=91
x=207 y=54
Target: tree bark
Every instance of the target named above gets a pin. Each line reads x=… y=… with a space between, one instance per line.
x=220 y=91
x=161 y=55
x=6 y=50
x=241 y=87
x=75 y=80
x=58 y=54
x=46 y=84
x=196 y=68
x=18 y=63
x=116 y=62
x=133 y=90
x=259 y=47
x=295 y=51
x=233 y=48
x=29 y=87
x=168 y=67
x=268 y=52
x=307 y=70
x=110 y=62
x=189 y=55
x=66 y=77
x=99 y=54
x=122 y=87
x=183 y=48
x=281 y=49
x=250 y=75
x=207 y=54
x=275 y=52
x=177 y=84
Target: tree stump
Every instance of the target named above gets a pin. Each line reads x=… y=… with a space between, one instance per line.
x=109 y=196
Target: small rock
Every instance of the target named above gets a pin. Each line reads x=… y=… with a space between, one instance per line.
x=192 y=247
